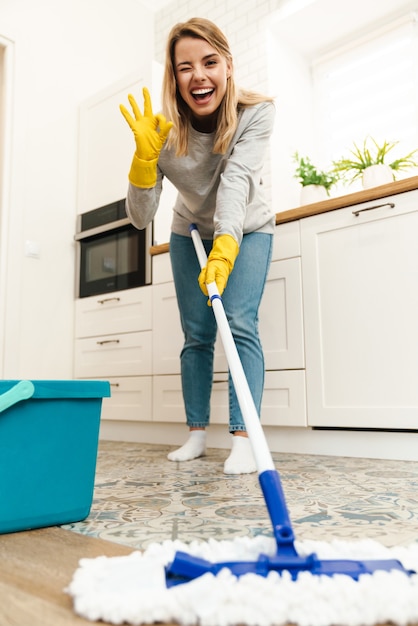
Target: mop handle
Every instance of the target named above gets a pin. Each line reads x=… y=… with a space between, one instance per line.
x=249 y=412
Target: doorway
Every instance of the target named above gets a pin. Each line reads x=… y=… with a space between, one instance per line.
x=6 y=69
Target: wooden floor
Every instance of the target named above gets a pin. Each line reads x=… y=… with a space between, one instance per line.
x=35 y=568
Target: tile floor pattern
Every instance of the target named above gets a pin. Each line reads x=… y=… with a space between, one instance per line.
x=140 y=498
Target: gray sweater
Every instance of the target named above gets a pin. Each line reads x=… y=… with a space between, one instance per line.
x=220 y=193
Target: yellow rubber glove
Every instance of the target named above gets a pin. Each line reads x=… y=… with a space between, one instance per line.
x=220 y=263
x=150 y=132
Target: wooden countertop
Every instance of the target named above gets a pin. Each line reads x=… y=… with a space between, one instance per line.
x=349 y=199
x=340 y=202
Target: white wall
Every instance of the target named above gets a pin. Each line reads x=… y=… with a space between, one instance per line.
x=64 y=51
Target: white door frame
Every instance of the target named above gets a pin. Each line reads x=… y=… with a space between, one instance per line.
x=6 y=98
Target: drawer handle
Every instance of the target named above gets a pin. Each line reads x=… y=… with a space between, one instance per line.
x=101 y=343
x=114 y=384
x=108 y=300
x=219 y=381
x=371 y=208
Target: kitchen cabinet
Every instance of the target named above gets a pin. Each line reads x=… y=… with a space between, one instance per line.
x=122 y=354
x=131 y=399
x=337 y=322
x=124 y=311
x=105 y=145
x=360 y=277
x=281 y=332
x=114 y=342
x=167 y=338
x=167 y=341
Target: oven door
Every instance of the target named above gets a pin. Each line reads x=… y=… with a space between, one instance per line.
x=113 y=259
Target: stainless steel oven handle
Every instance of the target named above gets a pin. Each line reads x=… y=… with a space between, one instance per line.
x=84 y=234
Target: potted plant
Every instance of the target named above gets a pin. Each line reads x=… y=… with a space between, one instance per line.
x=316 y=183
x=369 y=163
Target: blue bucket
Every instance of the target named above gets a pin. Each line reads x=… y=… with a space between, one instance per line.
x=49 y=433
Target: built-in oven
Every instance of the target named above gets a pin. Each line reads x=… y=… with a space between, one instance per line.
x=111 y=253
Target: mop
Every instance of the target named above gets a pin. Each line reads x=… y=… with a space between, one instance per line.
x=214 y=593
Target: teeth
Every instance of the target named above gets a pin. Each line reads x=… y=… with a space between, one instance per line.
x=201 y=92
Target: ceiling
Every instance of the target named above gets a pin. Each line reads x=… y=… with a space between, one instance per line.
x=154 y=5
x=314 y=25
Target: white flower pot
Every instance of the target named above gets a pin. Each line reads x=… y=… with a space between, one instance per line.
x=313 y=193
x=376 y=175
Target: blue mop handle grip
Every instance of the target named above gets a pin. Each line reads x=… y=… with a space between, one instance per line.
x=274 y=497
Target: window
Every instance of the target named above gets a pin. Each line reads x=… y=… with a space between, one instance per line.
x=369 y=88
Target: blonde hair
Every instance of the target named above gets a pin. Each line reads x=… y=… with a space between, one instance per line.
x=174 y=107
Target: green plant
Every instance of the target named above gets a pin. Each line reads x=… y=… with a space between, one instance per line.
x=308 y=174
x=349 y=169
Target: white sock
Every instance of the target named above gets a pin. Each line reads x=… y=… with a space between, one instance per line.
x=194 y=447
x=241 y=460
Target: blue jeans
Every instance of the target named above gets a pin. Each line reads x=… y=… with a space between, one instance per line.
x=241 y=300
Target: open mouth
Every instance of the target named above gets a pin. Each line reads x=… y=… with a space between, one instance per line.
x=201 y=95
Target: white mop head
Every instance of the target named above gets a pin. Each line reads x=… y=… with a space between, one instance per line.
x=132 y=588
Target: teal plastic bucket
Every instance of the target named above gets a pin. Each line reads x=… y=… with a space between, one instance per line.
x=49 y=433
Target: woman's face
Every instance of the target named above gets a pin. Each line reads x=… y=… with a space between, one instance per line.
x=201 y=75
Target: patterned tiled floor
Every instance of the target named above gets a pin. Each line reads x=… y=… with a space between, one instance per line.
x=140 y=497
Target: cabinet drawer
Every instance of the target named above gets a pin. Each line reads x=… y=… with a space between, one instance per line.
x=284 y=399
x=113 y=355
x=131 y=399
x=120 y=312
x=167 y=399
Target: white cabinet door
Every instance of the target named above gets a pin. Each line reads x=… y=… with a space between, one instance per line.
x=283 y=401
x=127 y=354
x=281 y=317
x=161 y=269
x=120 y=312
x=281 y=326
x=167 y=336
x=286 y=244
x=105 y=145
x=167 y=400
x=360 y=284
x=131 y=399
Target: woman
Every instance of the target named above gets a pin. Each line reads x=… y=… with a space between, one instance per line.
x=212 y=150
